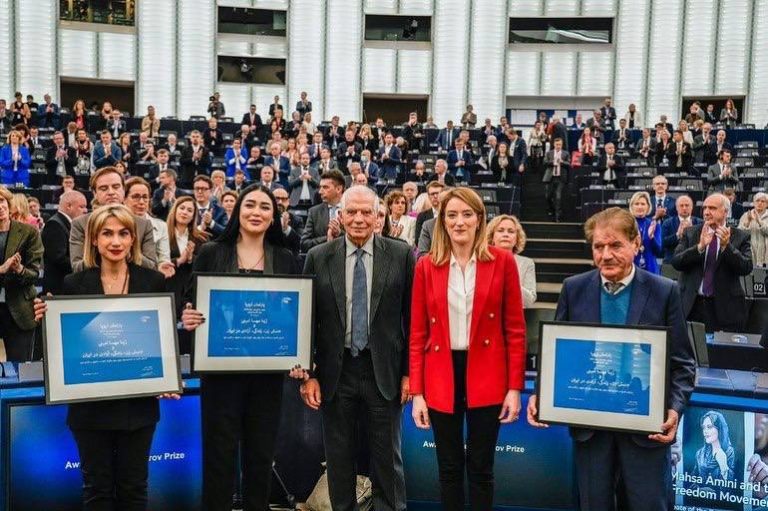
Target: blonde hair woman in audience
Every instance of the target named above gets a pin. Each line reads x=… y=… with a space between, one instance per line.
x=308 y=124
x=219 y=179
x=78 y=114
x=756 y=222
x=505 y=231
x=687 y=134
x=401 y=225
x=292 y=152
x=20 y=212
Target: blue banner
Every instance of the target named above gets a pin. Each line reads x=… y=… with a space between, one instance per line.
x=253 y=323
x=111 y=346
x=602 y=376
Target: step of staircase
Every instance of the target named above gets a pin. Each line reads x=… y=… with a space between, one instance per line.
x=548 y=292
x=560 y=230
x=556 y=270
x=556 y=247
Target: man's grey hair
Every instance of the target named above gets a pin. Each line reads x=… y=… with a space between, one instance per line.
x=682 y=197
x=760 y=195
x=726 y=202
x=360 y=190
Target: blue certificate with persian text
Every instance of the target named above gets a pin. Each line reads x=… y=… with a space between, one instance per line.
x=110 y=346
x=253 y=323
x=602 y=376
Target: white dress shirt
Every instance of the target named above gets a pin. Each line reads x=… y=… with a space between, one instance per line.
x=626 y=280
x=461 y=297
x=182 y=240
x=349 y=276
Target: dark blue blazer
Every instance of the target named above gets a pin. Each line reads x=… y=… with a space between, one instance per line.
x=655 y=301
x=669 y=239
x=284 y=169
x=314 y=153
x=390 y=167
x=453 y=158
x=669 y=205
x=442 y=138
x=520 y=156
x=219 y=219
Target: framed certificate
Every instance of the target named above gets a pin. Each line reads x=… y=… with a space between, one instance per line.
x=110 y=347
x=603 y=376
x=253 y=323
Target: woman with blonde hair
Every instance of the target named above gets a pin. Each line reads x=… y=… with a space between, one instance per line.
x=15 y=161
x=506 y=231
x=650 y=233
x=219 y=179
x=113 y=436
x=21 y=213
x=466 y=297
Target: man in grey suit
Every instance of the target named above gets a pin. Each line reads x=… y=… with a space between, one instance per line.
x=722 y=174
x=303 y=182
x=557 y=163
x=322 y=220
x=363 y=295
x=108 y=187
x=424 y=243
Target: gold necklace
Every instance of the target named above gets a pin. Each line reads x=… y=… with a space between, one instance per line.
x=242 y=266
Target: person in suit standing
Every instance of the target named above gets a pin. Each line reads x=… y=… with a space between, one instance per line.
x=459 y=162
x=280 y=164
x=518 y=155
x=323 y=222
x=274 y=106
x=608 y=113
x=441 y=174
x=114 y=436
x=166 y=194
x=363 y=299
x=702 y=146
x=680 y=154
x=612 y=167
x=447 y=137
x=60 y=160
x=55 y=238
x=390 y=158
x=303 y=105
x=253 y=120
x=646 y=148
x=711 y=257
x=558 y=131
x=729 y=115
x=240 y=411
x=453 y=314
x=106 y=152
x=662 y=205
x=210 y=216
x=108 y=187
x=617 y=292
x=195 y=159
x=21 y=252
x=722 y=174
x=433 y=194
x=303 y=182
x=675 y=225
x=557 y=165
x=48 y=113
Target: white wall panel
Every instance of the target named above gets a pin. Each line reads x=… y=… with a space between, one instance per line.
x=235 y=3
x=523 y=73
x=450 y=26
x=270 y=48
x=522 y=8
x=342 y=70
x=271 y=4
x=558 y=75
x=306 y=65
x=262 y=96
x=488 y=42
x=664 y=66
x=117 y=56
x=380 y=6
x=233 y=48
x=156 y=83
x=236 y=97
x=631 y=41
x=196 y=49
x=598 y=7
x=698 y=50
x=595 y=73
x=6 y=52
x=561 y=7
x=77 y=53
x=757 y=106
x=413 y=71
x=733 y=34
x=36 y=48
x=417 y=7
x=379 y=70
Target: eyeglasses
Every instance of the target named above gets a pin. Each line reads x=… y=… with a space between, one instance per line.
x=138 y=198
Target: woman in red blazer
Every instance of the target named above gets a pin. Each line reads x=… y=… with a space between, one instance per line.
x=467 y=347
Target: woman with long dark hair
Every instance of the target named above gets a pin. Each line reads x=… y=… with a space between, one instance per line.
x=242 y=409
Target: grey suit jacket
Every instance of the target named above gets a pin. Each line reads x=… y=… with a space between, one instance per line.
x=425 y=238
x=389 y=316
x=717 y=182
x=144 y=231
x=549 y=162
x=316 y=229
x=295 y=184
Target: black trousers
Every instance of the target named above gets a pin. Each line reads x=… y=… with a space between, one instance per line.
x=704 y=311
x=553 y=192
x=357 y=395
x=18 y=342
x=482 y=434
x=239 y=411
x=114 y=464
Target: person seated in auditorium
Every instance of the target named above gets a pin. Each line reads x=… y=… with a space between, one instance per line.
x=633 y=117
x=354 y=171
x=447 y=137
x=755 y=221
x=621 y=137
x=236 y=158
x=506 y=232
x=48 y=113
x=323 y=222
x=680 y=154
x=15 y=162
x=412 y=131
x=411 y=192
x=106 y=152
x=140 y=145
x=597 y=125
x=348 y=151
x=210 y=217
x=166 y=194
x=389 y=158
x=253 y=120
x=711 y=257
x=721 y=144
x=674 y=226
x=195 y=159
x=303 y=182
x=736 y=211
x=174 y=150
x=608 y=113
x=60 y=159
x=115 y=124
x=279 y=163
x=650 y=233
x=702 y=146
x=441 y=174
x=662 y=205
x=645 y=148
x=213 y=138
x=418 y=174
x=722 y=174
x=335 y=134
x=267 y=179
x=459 y=162
x=588 y=147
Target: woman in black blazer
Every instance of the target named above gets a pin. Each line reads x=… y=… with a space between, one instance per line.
x=501 y=164
x=113 y=437
x=242 y=409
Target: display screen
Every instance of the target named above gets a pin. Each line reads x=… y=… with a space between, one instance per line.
x=43 y=454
